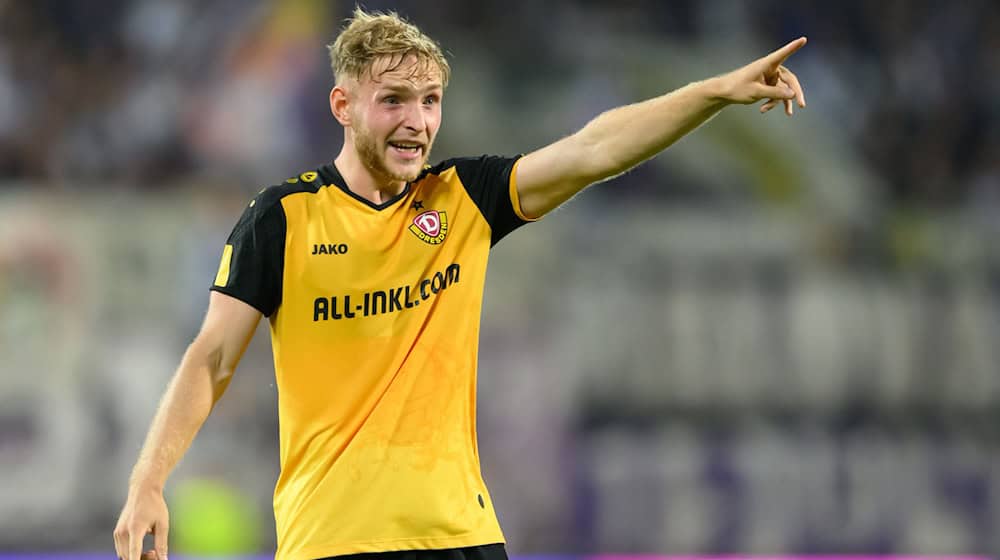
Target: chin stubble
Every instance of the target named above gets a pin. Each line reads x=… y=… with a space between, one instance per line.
x=374 y=160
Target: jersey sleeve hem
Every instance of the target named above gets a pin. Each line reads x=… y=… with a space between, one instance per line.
x=232 y=293
x=515 y=200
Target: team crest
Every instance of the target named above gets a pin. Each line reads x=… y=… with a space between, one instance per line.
x=430 y=226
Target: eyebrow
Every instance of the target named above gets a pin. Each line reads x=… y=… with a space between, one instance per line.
x=399 y=88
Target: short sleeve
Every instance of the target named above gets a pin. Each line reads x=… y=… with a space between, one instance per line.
x=490 y=183
x=253 y=258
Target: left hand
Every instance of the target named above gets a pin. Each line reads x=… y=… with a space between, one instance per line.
x=766 y=78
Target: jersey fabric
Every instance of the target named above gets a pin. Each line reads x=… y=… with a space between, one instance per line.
x=374 y=314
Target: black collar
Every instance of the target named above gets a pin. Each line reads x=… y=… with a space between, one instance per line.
x=331 y=175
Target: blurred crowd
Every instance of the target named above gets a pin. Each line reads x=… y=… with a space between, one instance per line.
x=151 y=92
x=916 y=91
x=716 y=352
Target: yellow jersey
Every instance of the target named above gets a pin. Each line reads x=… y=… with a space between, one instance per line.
x=374 y=315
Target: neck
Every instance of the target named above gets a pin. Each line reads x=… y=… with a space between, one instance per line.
x=362 y=181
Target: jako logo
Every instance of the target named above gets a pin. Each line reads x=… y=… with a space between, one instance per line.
x=430 y=226
x=329 y=249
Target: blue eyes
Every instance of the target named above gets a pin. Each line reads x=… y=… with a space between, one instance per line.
x=393 y=100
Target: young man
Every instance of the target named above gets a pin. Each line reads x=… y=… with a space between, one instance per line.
x=371 y=271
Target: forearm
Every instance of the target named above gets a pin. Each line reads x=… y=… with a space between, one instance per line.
x=622 y=138
x=187 y=402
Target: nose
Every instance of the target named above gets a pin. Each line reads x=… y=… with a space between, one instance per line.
x=413 y=117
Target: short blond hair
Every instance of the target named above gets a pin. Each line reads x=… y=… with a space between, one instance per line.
x=368 y=37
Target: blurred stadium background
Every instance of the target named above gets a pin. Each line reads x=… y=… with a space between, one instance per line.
x=781 y=336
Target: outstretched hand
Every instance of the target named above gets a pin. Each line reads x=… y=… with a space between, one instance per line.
x=766 y=78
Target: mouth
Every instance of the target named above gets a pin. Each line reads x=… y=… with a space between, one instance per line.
x=407 y=150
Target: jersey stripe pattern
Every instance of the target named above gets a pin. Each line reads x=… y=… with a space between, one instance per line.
x=374 y=315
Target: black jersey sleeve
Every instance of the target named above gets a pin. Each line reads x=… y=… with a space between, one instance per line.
x=489 y=182
x=253 y=258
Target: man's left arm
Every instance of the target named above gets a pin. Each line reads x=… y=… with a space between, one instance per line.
x=621 y=138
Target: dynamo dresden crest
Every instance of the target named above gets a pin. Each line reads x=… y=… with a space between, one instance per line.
x=430 y=226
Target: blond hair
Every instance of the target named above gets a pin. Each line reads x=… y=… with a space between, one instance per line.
x=368 y=37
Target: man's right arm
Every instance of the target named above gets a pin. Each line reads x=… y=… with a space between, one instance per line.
x=200 y=381
x=621 y=138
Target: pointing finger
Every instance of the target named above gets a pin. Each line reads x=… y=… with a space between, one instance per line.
x=777 y=57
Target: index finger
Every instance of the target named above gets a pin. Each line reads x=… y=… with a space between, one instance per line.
x=779 y=56
x=160 y=530
x=134 y=545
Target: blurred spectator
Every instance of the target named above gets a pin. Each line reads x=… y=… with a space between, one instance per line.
x=152 y=91
x=783 y=341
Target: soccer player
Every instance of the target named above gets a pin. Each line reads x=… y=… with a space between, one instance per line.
x=370 y=270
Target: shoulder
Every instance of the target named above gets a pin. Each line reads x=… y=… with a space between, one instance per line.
x=442 y=167
x=269 y=197
x=469 y=167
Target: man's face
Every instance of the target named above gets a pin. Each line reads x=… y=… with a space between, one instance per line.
x=395 y=115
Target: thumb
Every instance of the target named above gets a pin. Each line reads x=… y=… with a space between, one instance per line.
x=780 y=91
x=160 y=540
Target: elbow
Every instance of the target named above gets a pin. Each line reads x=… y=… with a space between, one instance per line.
x=209 y=361
x=596 y=159
x=218 y=370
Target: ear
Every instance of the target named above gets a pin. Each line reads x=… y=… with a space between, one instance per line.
x=339 y=102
